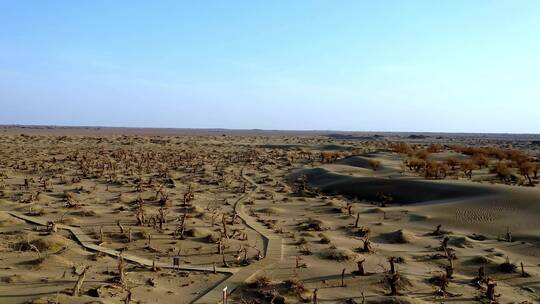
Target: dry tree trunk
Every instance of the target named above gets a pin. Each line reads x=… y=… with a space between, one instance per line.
x=367 y=245
x=223 y=257
x=80 y=282
x=101 y=238
x=224 y=227
x=122 y=230
x=361 y=270
x=508 y=234
x=53 y=228
x=392 y=281
x=490 y=292
x=437 y=230
x=36 y=250
x=392 y=261
x=121 y=270
x=219 y=244
x=393 y=277
x=128 y=298
x=183 y=226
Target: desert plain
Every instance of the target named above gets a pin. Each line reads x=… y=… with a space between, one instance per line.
x=112 y=215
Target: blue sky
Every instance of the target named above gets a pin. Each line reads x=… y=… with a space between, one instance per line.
x=455 y=66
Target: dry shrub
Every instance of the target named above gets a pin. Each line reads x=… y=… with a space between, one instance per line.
x=482 y=260
x=53 y=262
x=324 y=239
x=260 y=282
x=295 y=287
x=194 y=209
x=53 y=242
x=314 y=225
x=400 y=236
x=340 y=255
x=461 y=242
x=374 y=164
x=507 y=266
x=84 y=213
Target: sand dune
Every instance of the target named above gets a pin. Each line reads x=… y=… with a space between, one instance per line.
x=489 y=208
x=402 y=190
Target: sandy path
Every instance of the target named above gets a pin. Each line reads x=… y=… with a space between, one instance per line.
x=89 y=243
x=273 y=254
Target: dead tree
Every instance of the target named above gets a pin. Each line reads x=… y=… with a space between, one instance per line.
x=213 y=219
x=245 y=261
x=163 y=199
x=357 y=220
x=523 y=273
x=224 y=223
x=392 y=261
x=162 y=217
x=444 y=243
x=188 y=196
x=149 y=241
x=80 y=282
x=129 y=296
x=443 y=285
x=122 y=230
x=392 y=278
x=223 y=258
x=508 y=234
x=366 y=245
x=219 y=246
x=182 y=228
x=490 y=292
x=141 y=219
x=101 y=234
x=121 y=271
x=52 y=227
x=438 y=230
x=450 y=267
x=449 y=271
x=297 y=261
x=360 y=265
x=259 y=254
x=480 y=278
x=33 y=247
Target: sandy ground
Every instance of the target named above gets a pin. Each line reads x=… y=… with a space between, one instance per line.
x=280 y=240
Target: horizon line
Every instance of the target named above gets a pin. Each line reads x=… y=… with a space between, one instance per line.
x=328 y=131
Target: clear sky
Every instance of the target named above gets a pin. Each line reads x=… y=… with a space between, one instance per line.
x=456 y=66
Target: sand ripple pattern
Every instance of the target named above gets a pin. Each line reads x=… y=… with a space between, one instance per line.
x=487 y=214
